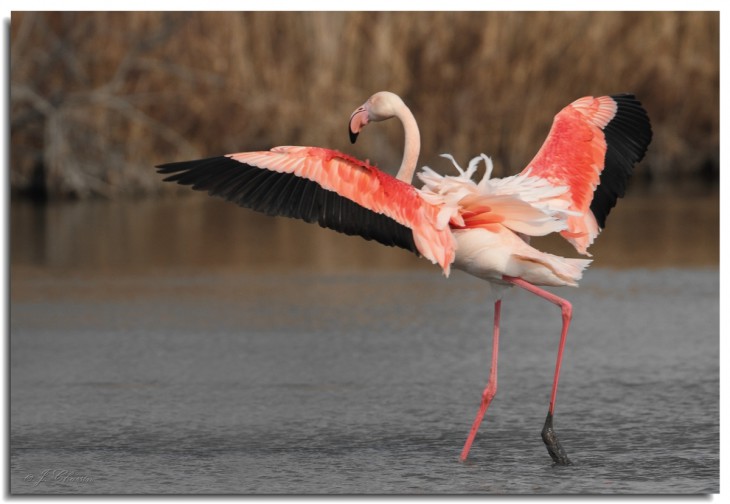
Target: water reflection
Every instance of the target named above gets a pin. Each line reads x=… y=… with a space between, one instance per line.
x=199 y=232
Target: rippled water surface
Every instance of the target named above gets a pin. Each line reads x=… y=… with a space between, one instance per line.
x=311 y=378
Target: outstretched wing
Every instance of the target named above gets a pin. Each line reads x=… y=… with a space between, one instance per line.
x=337 y=191
x=592 y=148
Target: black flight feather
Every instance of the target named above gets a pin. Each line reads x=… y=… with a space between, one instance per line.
x=285 y=194
x=627 y=135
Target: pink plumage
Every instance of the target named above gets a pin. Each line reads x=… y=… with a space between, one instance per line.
x=366 y=186
x=483 y=228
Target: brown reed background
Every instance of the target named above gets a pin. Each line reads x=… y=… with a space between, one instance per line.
x=97 y=99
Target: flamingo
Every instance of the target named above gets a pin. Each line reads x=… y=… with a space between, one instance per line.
x=483 y=228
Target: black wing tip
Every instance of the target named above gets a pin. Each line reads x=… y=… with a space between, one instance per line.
x=624 y=96
x=628 y=135
x=632 y=120
x=285 y=194
x=194 y=172
x=178 y=166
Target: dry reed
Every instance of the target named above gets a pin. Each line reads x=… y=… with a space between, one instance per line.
x=97 y=99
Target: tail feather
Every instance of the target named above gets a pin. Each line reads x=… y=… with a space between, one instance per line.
x=566 y=271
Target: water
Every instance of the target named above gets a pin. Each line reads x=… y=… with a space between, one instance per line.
x=204 y=233
x=175 y=347
x=360 y=383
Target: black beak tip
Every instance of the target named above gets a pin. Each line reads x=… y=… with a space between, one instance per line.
x=353 y=137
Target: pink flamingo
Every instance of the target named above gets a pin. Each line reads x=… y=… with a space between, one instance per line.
x=482 y=228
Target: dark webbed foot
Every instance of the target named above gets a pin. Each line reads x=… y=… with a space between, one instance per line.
x=553 y=445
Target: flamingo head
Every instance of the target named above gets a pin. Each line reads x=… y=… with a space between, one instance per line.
x=379 y=107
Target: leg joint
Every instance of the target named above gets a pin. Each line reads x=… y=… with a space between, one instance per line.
x=567 y=309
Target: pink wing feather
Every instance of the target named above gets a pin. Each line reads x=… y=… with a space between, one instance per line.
x=325 y=186
x=591 y=148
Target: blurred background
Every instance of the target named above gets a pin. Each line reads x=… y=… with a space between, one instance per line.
x=98 y=99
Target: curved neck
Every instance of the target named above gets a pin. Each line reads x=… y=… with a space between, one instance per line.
x=412 y=144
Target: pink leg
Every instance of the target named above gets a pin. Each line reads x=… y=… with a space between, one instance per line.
x=548 y=434
x=491 y=389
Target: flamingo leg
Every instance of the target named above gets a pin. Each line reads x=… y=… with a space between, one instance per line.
x=491 y=388
x=549 y=436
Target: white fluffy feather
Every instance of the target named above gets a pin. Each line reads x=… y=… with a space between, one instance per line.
x=529 y=205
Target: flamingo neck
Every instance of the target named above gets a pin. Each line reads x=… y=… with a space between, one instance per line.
x=412 y=144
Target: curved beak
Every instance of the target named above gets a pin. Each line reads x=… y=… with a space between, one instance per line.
x=358 y=119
